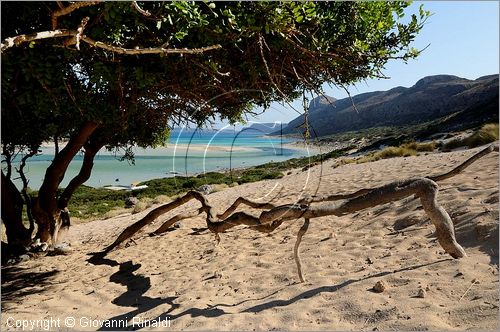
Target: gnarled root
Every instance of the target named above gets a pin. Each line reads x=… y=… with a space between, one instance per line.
x=268 y=221
x=423 y=187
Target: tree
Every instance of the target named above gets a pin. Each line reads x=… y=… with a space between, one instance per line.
x=117 y=74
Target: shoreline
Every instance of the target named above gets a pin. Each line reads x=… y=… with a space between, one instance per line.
x=160 y=163
x=168 y=148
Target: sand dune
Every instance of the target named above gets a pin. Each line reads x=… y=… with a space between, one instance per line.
x=249 y=280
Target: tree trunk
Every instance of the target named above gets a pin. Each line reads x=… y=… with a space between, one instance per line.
x=12 y=217
x=48 y=214
x=91 y=150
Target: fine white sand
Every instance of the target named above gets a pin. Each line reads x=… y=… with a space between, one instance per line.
x=168 y=149
x=249 y=281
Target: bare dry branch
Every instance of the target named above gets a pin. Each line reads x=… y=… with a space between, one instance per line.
x=80 y=31
x=149 y=50
x=296 y=255
x=167 y=224
x=465 y=164
x=21 y=39
x=243 y=200
x=350 y=97
x=424 y=188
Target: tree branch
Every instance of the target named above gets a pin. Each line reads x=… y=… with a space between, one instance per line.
x=56 y=145
x=8 y=160
x=424 y=188
x=149 y=50
x=243 y=200
x=55 y=172
x=84 y=174
x=136 y=6
x=67 y=10
x=24 y=191
x=11 y=213
x=166 y=225
x=465 y=164
x=300 y=234
x=21 y=39
x=80 y=31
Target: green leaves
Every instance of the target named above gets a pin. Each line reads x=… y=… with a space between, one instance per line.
x=270 y=51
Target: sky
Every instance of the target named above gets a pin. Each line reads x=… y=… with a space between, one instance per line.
x=463 y=39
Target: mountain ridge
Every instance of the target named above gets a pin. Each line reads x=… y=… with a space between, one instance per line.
x=430 y=98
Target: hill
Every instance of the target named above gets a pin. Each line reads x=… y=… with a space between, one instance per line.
x=457 y=102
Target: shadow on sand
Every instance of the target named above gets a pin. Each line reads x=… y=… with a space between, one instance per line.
x=138 y=285
x=18 y=282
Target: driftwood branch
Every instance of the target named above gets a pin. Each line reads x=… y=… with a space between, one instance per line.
x=167 y=224
x=424 y=188
x=465 y=164
x=242 y=200
x=296 y=255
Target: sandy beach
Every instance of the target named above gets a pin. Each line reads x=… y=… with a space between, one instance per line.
x=168 y=149
x=249 y=281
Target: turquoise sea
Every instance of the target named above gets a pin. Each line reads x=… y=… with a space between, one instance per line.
x=187 y=152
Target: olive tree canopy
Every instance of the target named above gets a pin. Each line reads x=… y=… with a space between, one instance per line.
x=118 y=74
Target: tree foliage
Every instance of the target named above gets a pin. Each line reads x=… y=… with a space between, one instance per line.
x=118 y=74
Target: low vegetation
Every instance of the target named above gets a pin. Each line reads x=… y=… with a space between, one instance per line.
x=405 y=150
x=93 y=203
x=487 y=134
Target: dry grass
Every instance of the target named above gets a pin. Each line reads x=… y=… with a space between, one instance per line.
x=405 y=150
x=143 y=204
x=161 y=199
x=116 y=212
x=219 y=187
x=487 y=134
x=421 y=147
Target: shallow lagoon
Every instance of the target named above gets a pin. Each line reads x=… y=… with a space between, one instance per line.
x=187 y=152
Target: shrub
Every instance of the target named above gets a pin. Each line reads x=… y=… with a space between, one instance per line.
x=426 y=147
x=139 y=207
x=453 y=144
x=487 y=134
x=161 y=199
x=392 y=151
